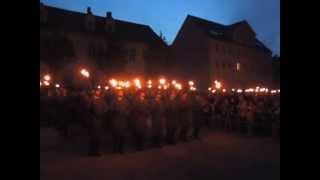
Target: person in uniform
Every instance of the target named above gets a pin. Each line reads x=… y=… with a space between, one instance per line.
x=185 y=116
x=141 y=121
x=171 y=118
x=119 y=122
x=196 y=115
x=157 y=116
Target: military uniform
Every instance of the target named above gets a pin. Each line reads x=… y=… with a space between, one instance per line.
x=172 y=118
x=119 y=124
x=157 y=116
x=140 y=123
x=185 y=117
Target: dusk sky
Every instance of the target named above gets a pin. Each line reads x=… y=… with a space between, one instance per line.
x=168 y=15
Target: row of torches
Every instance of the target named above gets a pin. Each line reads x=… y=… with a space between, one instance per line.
x=163 y=85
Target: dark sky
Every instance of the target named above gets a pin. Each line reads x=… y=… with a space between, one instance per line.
x=168 y=15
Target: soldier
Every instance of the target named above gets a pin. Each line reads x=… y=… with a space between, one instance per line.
x=251 y=112
x=226 y=114
x=196 y=115
x=157 y=116
x=140 y=120
x=242 y=109
x=97 y=110
x=171 y=118
x=185 y=116
x=119 y=122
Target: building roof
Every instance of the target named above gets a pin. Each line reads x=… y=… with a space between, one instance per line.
x=221 y=32
x=70 y=21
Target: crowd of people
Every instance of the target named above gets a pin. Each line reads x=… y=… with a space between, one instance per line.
x=153 y=115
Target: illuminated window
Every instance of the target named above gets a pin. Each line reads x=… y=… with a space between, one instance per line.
x=238 y=66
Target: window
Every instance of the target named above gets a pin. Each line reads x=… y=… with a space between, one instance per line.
x=132 y=54
x=238 y=66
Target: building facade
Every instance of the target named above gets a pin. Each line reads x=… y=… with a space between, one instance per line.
x=207 y=51
x=104 y=44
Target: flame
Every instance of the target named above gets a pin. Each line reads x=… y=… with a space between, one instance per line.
x=47 y=77
x=113 y=82
x=178 y=86
x=85 y=73
x=162 y=81
x=217 y=84
x=46 y=83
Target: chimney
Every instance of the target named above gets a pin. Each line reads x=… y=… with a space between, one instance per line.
x=110 y=24
x=89 y=10
x=90 y=20
x=109 y=15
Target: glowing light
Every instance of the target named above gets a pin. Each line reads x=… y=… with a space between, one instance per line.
x=113 y=82
x=217 y=84
x=165 y=87
x=85 y=73
x=127 y=84
x=46 y=83
x=137 y=83
x=174 y=82
x=273 y=91
x=162 y=81
x=159 y=87
x=233 y=90
x=149 y=82
x=213 y=91
x=99 y=87
x=191 y=83
x=249 y=90
x=47 y=77
x=193 y=89
x=57 y=85
x=106 y=88
x=40 y=83
x=239 y=91
x=224 y=90
x=267 y=90
x=278 y=90
x=178 y=86
x=149 y=86
x=209 y=89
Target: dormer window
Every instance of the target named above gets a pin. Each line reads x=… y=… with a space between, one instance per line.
x=215 y=33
